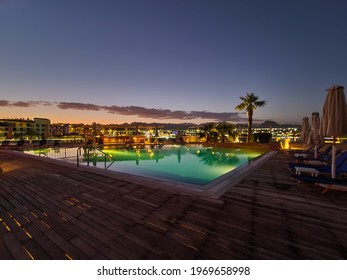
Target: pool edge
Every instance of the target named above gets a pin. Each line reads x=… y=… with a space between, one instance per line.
x=211 y=190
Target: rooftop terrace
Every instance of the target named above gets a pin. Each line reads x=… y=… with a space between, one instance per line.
x=52 y=211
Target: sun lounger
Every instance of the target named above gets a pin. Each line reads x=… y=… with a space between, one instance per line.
x=340 y=165
x=307 y=150
x=324 y=179
x=336 y=187
x=314 y=162
x=325 y=182
x=314 y=172
x=325 y=156
x=307 y=155
x=317 y=171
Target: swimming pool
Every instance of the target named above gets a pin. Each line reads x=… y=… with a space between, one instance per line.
x=191 y=164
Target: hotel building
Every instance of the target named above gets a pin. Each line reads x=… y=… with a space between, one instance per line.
x=38 y=128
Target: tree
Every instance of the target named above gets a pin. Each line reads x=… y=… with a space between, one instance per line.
x=249 y=104
x=224 y=128
x=208 y=129
x=31 y=133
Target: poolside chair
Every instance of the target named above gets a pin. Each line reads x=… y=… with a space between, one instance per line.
x=341 y=169
x=333 y=186
x=321 y=160
x=325 y=157
x=325 y=152
x=307 y=150
x=325 y=182
x=308 y=153
x=340 y=165
x=317 y=180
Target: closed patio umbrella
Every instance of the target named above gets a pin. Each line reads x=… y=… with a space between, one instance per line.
x=304 y=131
x=315 y=137
x=334 y=118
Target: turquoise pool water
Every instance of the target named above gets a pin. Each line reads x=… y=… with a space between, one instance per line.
x=188 y=164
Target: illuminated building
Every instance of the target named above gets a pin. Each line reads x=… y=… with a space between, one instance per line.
x=14 y=128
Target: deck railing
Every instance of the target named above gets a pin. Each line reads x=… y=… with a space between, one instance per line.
x=57 y=153
x=91 y=154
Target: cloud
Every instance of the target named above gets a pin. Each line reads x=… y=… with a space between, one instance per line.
x=21 y=104
x=152 y=113
x=24 y=104
x=141 y=112
x=78 y=106
x=4 y=103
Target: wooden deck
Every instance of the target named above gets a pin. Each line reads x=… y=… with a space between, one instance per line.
x=49 y=211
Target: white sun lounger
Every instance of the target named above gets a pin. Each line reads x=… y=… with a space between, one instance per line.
x=336 y=187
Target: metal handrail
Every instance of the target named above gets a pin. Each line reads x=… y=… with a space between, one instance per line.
x=89 y=148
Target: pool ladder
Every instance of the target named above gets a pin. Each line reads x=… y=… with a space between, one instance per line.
x=91 y=156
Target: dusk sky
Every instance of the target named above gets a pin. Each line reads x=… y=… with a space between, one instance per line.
x=115 y=61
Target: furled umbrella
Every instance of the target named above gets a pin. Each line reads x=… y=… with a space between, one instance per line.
x=304 y=131
x=334 y=118
x=314 y=136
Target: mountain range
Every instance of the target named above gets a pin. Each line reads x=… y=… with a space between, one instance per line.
x=172 y=126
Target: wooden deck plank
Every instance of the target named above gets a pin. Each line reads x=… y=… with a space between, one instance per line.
x=35 y=250
x=4 y=252
x=72 y=213
x=44 y=243
x=15 y=247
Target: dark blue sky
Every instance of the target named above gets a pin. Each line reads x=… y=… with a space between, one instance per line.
x=180 y=55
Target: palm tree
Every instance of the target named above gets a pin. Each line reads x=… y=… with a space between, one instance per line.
x=250 y=103
x=208 y=128
x=224 y=128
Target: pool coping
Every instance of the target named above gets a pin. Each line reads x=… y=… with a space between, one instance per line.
x=214 y=189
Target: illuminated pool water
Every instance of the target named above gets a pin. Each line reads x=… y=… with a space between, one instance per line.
x=189 y=164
